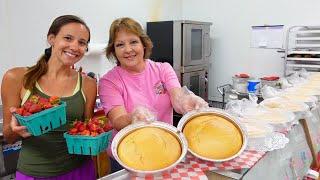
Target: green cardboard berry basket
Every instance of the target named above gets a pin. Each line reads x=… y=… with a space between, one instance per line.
x=87 y=145
x=44 y=121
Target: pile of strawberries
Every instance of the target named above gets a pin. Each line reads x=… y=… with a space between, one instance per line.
x=93 y=127
x=36 y=104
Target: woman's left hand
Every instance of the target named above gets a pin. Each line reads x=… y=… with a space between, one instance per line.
x=193 y=102
x=183 y=100
x=16 y=127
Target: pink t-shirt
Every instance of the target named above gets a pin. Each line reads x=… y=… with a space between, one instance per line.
x=148 y=88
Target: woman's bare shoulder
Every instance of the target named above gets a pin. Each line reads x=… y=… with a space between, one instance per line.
x=16 y=73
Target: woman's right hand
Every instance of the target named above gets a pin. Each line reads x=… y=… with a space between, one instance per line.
x=15 y=126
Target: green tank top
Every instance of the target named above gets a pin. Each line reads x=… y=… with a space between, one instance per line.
x=47 y=155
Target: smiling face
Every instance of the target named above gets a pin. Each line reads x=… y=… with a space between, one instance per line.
x=70 y=44
x=129 y=51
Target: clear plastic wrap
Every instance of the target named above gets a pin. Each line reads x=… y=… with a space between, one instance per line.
x=295 y=78
x=270 y=142
x=269 y=92
x=187 y=101
x=281 y=120
x=285 y=104
x=261 y=137
x=284 y=83
x=237 y=107
x=293 y=94
x=142 y=114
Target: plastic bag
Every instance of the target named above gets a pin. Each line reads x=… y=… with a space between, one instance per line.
x=284 y=83
x=269 y=92
x=237 y=107
x=295 y=79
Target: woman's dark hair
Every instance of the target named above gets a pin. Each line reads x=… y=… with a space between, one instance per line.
x=131 y=26
x=39 y=69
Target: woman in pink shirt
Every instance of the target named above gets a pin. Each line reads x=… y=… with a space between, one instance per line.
x=137 y=81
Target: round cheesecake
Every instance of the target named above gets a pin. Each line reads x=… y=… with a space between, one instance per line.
x=149 y=148
x=213 y=137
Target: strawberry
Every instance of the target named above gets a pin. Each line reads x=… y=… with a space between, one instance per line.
x=47 y=105
x=26 y=113
x=81 y=127
x=27 y=105
x=93 y=134
x=35 y=108
x=42 y=101
x=92 y=127
x=100 y=130
x=85 y=132
x=34 y=99
x=20 y=111
x=73 y=131
x=54 y=100
x=107 y=127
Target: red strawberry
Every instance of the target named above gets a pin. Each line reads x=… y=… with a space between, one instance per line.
x=54 y=100
x=73 y=131
x=107 y=127
x=27 y=105
x=26 y=113
x=81 y=127
x=20 y=111
x=100 y=130
x=47 y=105
x=92 y=127
x=35 y=108
x=85 y=132
x=93 y=134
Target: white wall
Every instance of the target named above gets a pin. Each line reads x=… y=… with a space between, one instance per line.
x=231 y=33
x=24 y=25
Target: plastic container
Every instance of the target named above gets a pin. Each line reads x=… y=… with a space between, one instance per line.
x=253 y=86
x=87 y=145
x=44 y=121
x=240 y=84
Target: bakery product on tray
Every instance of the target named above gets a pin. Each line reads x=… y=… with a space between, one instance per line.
x=149 y=148
x=213 y=137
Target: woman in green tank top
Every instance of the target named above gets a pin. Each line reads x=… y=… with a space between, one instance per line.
x=46 y=156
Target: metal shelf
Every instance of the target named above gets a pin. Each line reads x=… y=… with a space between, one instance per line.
x=303 y=52
x=304 y=65
x=302 y=59
x=302 y=40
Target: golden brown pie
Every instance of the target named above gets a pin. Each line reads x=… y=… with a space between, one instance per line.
x=149 y=148
x=213 y=137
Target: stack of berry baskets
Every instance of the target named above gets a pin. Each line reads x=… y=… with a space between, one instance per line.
x=88 y=138
x=41 y=115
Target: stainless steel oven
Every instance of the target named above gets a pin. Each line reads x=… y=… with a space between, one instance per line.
x=196 y=81
x=181 y=43
x=196 y=44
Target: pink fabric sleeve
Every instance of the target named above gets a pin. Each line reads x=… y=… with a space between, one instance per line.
x=109 y=93
x=169 y=76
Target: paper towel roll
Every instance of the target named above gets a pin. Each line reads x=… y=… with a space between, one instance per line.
x=96 y=48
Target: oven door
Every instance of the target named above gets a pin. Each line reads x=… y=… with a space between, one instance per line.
x=196 y=82
x=195 y=44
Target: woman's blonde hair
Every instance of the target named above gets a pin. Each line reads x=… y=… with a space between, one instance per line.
x=131 y=26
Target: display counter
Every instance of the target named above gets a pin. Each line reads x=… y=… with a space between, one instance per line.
x=291 y=162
